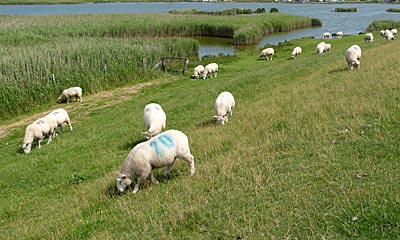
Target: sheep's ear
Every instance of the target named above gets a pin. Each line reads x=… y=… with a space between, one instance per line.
x=123 y=177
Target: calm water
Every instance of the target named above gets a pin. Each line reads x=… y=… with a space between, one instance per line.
x=349 y=23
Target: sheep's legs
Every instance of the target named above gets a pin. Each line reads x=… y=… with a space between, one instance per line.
x=139 y=181
x=168 y=168
x=152 y=178
x=190 y=159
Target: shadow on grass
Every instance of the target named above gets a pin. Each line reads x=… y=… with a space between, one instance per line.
x=129 y=145
x=208 y=123
x=338 y=70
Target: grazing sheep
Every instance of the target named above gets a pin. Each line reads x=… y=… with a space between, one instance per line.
x=382 y=33
x=326 y=35
x=209 y=69
x=296 y=52
x=223 y=107
x=197 y=71
x=353 y=56
x=157 y=152
x=154 y=119
x=67 y=94
x=268 y=52
x=37 y=131
x=389 y=35
x=328 y=47
x=369 y=37
x=61 y=117
x=339 y=34
x=321 y=47
x=394 y=31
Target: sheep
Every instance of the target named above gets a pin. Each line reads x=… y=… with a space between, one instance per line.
x=328 y=47
x=223 y=107
x=268 y=52
x=296 y=51
x=339 y=34
x=326 y=35
x=67 y=94
x=209 y=69
x=394 y=31
x=353 y=56
x=197 y=71
x=369 y=37
x=157 y=152
x=389 y=35
x=37 y=131
x=382 y=33
x=154 y=119
x=61 y=117
x=321 y=47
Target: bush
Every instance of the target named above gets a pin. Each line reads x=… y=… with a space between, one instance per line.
x=273 y=10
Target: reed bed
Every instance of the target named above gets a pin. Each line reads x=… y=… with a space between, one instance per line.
x=91 y=63
x=345 y=10
x=393 y=10
x=378 y=25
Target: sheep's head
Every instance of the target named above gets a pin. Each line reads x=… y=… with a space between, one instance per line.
x=221 y=119
x=122 y=182
x=26 y=147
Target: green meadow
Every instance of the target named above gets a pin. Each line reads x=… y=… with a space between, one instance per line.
x=311 y=152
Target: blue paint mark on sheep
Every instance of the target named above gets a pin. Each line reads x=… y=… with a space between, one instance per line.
x=165 y=140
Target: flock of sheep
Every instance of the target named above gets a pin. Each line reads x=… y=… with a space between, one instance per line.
x=353 y=53
x=162 y=148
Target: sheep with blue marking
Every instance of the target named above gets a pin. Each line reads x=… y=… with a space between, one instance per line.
x=61 y=116
x=38 y=130
x=160 y=151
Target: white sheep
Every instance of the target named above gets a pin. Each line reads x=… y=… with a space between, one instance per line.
x=223 y=107
x=296 y=51
x=321 y=47
x=268 y=52
x=369 y=37
x=339 y=34
x=326 y=35
x=353 y=56
x=197 y=71
x=394 y=31
x=61 y=117
x=209 y=69
x=37 y=131
x=389 y=35
x=382 y=33
x=68 y=93
x=154 y=119
x=160 y=151
x=328 y=47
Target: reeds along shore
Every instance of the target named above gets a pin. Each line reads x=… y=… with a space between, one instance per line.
x=104 y=51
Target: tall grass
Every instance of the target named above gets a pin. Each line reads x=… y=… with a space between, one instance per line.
x=280 y=169
x=94 y=64
x=378 y=25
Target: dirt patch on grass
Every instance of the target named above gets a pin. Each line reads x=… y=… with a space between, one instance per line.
x=94 y=101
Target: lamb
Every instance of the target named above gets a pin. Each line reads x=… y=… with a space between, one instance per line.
x=61 y=117
x=382 y=33
x=353 y=56
x=296 y=51
x=223 y=107
x=394 y=31
x=268 y=52
x=339 y=34
x=209 y=69
x=67 y=94
x=326 y=35
x=369 y=37
x=389 y=35
x=321 y=47
x=328 y=47
x=157 y=152
x=37 y=131
x=154 y=119
x=197 y=71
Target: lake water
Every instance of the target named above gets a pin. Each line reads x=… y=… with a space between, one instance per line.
x=349 y=23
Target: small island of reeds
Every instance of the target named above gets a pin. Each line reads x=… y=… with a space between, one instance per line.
x=393 y=10
x=344 y=10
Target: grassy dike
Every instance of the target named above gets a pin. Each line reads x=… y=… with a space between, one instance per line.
x=282 y=168
x=104 y=51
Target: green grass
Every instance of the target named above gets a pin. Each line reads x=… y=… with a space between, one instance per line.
x=280 y=168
